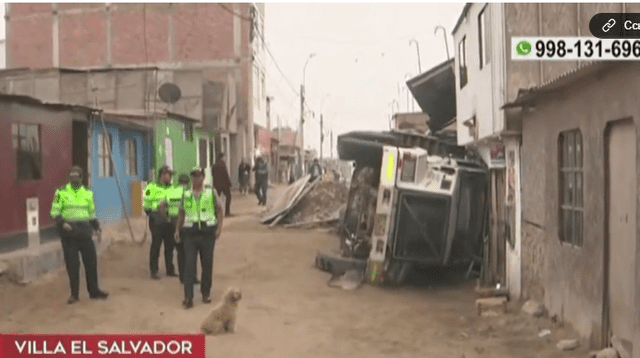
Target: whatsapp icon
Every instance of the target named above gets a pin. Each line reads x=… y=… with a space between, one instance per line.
x=523 y=48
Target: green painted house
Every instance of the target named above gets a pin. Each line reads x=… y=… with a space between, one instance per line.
x=182 y=146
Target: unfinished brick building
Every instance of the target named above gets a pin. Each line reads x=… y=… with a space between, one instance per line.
x=223 y=42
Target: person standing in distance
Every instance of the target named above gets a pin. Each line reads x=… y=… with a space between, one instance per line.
x=73 y=209
x=199 y=226
x=222 y=182
x=161 y=229
x=262 y=180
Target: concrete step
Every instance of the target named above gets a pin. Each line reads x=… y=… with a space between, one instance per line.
x=27 y=265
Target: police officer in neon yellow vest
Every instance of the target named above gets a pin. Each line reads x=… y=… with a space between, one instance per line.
x=73 y=209
x=169 y=207
x=199 y=226
x=161 y=229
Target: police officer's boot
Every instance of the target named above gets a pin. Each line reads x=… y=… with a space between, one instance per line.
x=100 y=295
x=72 y=299
x=187 y=303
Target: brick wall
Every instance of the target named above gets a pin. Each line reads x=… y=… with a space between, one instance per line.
x=88 y=33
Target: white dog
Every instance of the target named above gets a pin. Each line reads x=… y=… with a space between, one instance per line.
x=222 y=317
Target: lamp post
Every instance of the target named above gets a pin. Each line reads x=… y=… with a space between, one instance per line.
x=418 y=50
x=444 y=33
x=301 y=129
x=408 y=75
x=322 y=124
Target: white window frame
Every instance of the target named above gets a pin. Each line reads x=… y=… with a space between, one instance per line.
x=105 y=147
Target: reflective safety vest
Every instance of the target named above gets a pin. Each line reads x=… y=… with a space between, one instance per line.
x=153 y=194
x=201 y=209
x=73 y=204
x=173 y=200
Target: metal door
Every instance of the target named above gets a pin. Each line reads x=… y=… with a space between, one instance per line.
x=621 y=191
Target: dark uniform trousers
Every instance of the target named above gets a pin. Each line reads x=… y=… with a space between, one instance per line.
x=75 y=242
x=202 y=241
x=161 y=233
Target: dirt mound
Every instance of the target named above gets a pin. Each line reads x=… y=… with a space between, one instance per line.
x=323 y=202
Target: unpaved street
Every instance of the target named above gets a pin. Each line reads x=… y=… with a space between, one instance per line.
x=287 y=308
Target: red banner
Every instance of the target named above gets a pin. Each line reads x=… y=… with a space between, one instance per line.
x=122 y=345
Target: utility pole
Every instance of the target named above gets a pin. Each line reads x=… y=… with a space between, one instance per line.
x=321 y=135
x=270 y=161
x=331 y=149
x=301 y=131
x=269 y=112
x=278 y=152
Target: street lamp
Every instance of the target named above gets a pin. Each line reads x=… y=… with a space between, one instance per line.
x=301 y=129
x=322 y=124
x=444 y=33
x=418 y=50
x=408 y=75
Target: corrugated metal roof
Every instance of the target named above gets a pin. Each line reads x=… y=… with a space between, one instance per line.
x=561 y=76
x=22 y=99
x=585 y=69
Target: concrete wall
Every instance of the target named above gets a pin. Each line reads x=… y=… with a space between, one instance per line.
x=548 y=19
x=416 y=121
x=571 y=279
x=481 y=96
x=128 y=90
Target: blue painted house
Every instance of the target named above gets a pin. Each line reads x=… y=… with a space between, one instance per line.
x=130 y=142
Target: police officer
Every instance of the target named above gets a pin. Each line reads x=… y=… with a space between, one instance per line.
x=199 y=225
x=169 y=207
x=161 y=229
x=73 y=209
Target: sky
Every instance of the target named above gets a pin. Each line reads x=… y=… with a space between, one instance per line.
x=363 y=55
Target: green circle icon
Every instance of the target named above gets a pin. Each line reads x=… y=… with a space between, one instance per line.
x=523 y=48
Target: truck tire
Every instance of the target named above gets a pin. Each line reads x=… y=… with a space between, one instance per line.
x=337 y=264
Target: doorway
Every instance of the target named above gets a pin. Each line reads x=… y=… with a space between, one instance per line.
x=79 y=148
x=225 y=147
x=620 y=229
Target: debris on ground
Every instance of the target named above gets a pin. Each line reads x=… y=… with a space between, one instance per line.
x=534 y=308
x=619 y=347
x=544 y=333
x=568 y=344
x=606 y=353
x=4 y=267
x=308 y=204
x=486 y=292
x=496 y=305
x=350 y=281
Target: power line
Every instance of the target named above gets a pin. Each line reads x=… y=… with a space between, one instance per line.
x=264 y=43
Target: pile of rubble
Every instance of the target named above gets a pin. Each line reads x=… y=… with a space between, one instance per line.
x=307 y=203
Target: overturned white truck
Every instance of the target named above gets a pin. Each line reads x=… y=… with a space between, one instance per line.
x=414 y=200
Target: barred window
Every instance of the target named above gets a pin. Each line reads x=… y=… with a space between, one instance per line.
x=571 y=187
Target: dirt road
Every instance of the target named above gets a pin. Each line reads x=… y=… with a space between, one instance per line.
x=287 y=308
